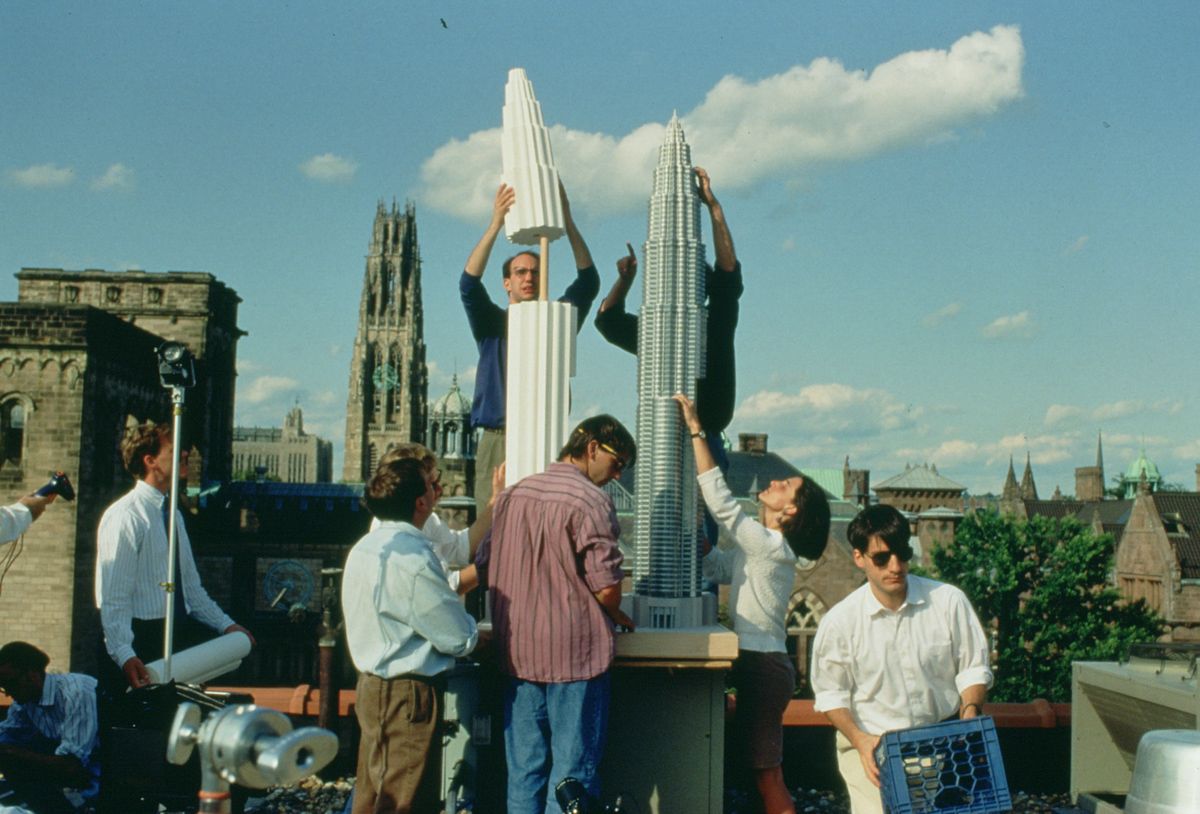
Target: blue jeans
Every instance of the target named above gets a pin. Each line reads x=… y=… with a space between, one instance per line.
x=552 y=731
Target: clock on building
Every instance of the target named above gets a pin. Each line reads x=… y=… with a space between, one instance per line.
x=385 y=377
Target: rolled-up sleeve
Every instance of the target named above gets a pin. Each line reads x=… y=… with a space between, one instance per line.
x=832 y=679
x=971 y=644
x=597 y=543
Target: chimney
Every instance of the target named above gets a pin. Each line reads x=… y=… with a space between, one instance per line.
x=1089 y=483
x=1198 y=477
x=753 y=442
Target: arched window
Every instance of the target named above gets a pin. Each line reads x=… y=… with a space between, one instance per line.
x=13 y=413
x=805 y=610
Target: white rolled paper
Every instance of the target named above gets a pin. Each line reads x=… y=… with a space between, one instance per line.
x=541 y=362
x=528 y=166
x=203 y=662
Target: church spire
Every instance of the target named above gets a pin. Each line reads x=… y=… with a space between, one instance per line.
x=1028 y=487
x=1011 y=490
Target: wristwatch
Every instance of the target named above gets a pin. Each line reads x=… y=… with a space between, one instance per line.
x=701 y=434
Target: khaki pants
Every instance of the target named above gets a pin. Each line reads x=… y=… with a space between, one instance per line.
x=488 y=455
x=865 y=797
x=397 y=754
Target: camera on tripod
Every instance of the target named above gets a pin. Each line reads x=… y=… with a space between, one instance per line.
x=59 y=484
x=573 y=798
x=176 y=365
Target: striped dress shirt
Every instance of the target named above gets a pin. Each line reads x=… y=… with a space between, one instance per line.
x=554 y=544
x=65 y=715
x=131 y=564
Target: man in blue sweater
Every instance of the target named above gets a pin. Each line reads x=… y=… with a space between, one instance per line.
x=489 y=325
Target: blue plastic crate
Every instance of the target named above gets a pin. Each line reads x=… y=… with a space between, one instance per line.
x=948 y=768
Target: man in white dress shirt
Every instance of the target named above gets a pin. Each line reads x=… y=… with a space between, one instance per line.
x=404 y=626
x=901 y=651
x=455 y=548
x=131 y=565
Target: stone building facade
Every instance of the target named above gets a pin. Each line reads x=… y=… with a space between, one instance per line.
x=189 y=307
x=920 y=488
x=448 y=435
x=75 y=377
x=287 y=454
x=388 y=377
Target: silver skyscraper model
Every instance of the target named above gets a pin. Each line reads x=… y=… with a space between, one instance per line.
x=671 y=356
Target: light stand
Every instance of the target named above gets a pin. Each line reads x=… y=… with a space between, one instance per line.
x=177 y=372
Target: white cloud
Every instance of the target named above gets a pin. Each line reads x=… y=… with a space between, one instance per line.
x=1189 y=451
x=1117 y=409
x=263 y=388
x=1058 y=413
x=827 y=408
x=1043 y=449
x=117 y=176
x=942 y=314
x=1077 y=246
x=1014 y=326
x=746 y=131
x=330 y=168
x=41 y=176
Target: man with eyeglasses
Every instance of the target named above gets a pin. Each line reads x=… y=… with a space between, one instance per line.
x=901 y=651
x=489 y=324
x=555 y=578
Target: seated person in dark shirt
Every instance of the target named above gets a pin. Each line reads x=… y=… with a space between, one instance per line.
x=49 y=740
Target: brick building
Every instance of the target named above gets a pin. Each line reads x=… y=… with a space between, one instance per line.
x=189 y=307
x=71 y=378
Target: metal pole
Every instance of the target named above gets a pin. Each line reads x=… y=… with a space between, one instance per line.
x=327 y=710
x=169 y=587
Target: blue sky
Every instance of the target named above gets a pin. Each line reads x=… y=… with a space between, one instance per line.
x=968 y=229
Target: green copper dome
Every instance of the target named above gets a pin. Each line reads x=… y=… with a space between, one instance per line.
x=1134 y=472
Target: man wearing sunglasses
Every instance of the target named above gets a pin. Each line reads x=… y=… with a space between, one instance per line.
x=555 y=576
x=901 y=651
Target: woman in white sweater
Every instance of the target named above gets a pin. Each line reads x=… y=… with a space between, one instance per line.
x=793 y=524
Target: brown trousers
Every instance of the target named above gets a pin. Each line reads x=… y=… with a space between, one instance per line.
x=398 y=751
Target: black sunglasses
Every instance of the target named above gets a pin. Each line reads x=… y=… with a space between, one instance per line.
x=882 y=558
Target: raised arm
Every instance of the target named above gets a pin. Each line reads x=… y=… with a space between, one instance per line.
x=583 y=257
x=477 y=261
x=722 y=240
x=703 y=455
x=626 y=271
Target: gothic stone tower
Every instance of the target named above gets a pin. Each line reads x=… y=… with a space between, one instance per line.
x=388 y=377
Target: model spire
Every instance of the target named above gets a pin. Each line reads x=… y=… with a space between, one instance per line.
x=671 y=351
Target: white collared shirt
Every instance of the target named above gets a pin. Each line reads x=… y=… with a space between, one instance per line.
x=14 y=520
x=131 y=564
x=401 y=615
x=903 y=668
x=452 y=547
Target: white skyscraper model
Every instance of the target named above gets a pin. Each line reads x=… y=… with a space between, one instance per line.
x=541 y=334
x=671 y=356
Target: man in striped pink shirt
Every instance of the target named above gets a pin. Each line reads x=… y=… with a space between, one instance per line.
x=555 y=575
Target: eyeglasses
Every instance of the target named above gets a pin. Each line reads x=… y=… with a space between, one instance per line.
x=882 y=558
x=620 y=462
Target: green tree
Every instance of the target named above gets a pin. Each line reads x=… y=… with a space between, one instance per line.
x=1042 y=586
